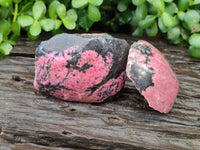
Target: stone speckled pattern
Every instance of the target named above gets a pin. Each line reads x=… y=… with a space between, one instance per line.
x=84 y=68
x=152 y=76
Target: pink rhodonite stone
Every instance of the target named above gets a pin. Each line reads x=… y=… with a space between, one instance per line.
x=84 y=68
x=152 y=76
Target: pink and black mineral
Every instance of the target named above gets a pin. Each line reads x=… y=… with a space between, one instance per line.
x=152 y=76
x=85 y=68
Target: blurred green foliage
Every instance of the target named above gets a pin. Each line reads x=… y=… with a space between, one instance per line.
x=178 y=20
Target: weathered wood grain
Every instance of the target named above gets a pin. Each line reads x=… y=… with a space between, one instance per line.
x=29 y=120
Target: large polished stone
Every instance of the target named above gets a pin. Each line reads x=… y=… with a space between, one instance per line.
x=84 y=68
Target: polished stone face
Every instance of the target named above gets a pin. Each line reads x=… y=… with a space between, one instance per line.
x=85 y=68
x=152 y=76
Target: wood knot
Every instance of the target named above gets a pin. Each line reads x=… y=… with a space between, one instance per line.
x=16 y=78
x=66 y=133
x=73 y=110
x=114 y=120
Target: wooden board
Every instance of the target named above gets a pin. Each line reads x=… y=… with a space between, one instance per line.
x=31 y=121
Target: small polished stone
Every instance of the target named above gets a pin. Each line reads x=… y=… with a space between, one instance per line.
x=152 y=76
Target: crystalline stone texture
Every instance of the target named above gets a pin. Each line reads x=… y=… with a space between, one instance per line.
x=84 y=68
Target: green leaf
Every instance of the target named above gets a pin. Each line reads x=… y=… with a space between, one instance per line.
x=17 y=1
x=79 y=3
x=16 y=28
x=58 y=31
x=196 y=2
x=152 y=10
x=5 y=48
x=134 y=20
x=138 y=2
x=161 y=26
x=65 y=2
x=177 y=21
x=184 y=34
x=4 y=12
x=1 y=37
x=72 y=14
x=47 y=24
x=4 y=27
x=179 y=41
x=94 y=13
x=25 y=8
x=171 y=8
x=127 y=16
x=173 y=33
x=194 y=52
x=96 y=2
x=122 y=5
x=158 y=4
x=191 y=2
x=168 y=1
x=141 y=11
x=13 y=38
x=5 y=3
x=35 y=29
x=57 y=24
x=138 y=32
x=69 y=24
x=181 y=15
x=168 y=20
x=196 y=28
x=39 y=10
x=152 y=30
x=25 y=20
x=52 y=9
x=194 y=40
x=84 y=21
x=183 y=4
x=191 y=18
x=31 y=37
x=61 y=11
x=147 y=22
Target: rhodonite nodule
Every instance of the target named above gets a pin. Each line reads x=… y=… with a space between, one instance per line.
x=152 y=76
x=81 y=67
